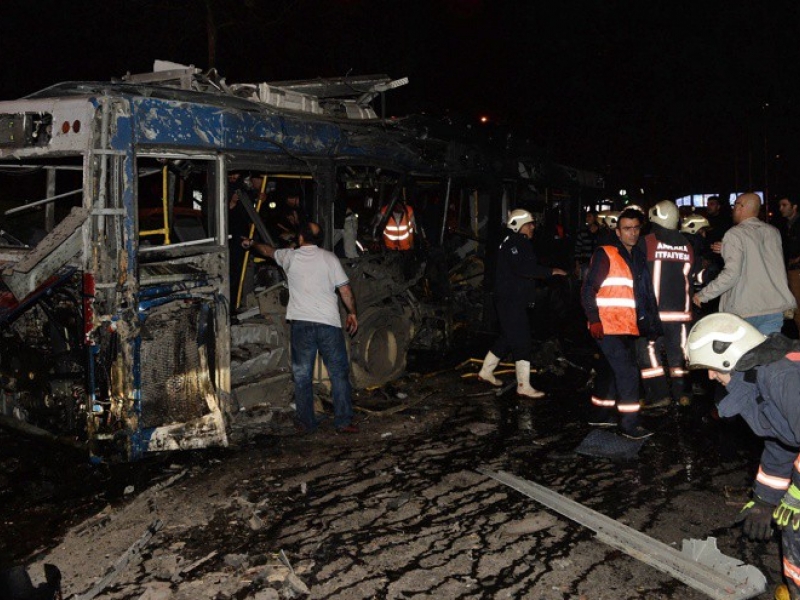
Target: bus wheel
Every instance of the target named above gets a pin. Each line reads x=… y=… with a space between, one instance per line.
x=378 y=350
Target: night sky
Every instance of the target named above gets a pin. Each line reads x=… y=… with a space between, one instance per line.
x=678 y=97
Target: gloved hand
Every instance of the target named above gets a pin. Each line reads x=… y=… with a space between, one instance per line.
x=788 y=511
x=756 y=519
x=596 y=329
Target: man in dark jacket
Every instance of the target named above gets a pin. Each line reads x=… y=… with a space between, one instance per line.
x=719 y=218
x=762 y=378
x=515 y=289
x=620 y=305
x=791 y=249
x=585 y=243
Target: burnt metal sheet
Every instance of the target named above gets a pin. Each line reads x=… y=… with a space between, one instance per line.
x=59 y=247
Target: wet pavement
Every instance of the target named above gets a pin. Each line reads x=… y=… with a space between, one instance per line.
x=397 y=511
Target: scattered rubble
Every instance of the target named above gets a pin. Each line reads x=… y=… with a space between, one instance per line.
x=407 y=516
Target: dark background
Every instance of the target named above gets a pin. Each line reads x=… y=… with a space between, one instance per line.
x=675 y=97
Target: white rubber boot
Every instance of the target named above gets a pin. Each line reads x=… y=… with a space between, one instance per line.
x=524 y=381
x=487 y=370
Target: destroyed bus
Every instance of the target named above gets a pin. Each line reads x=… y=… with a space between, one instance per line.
x=132 y=322
x=120 y=324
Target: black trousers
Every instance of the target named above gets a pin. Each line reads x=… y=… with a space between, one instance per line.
x=664 y=379
x=515 y=332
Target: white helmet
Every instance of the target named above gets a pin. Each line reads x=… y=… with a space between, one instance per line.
x=608 y=218
x=694 y=223
x=635 y=207
x=666 y=214
x=719 y=340
x=517 y=218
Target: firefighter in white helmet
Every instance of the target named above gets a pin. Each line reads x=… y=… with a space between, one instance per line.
x=762 y=379
x=694 y=224
x=636 y=207
x=670 y=260
x=694 y=227
x=608 y=224
x=514 y=291
x=612 y=219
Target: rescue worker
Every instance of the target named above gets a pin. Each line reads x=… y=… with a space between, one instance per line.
x=618 y=299
x=608 y=224
x=694 y=224
x=670 y=260
x=695 y=227
x=400 y=227
x=515 y=289
x=762 y=378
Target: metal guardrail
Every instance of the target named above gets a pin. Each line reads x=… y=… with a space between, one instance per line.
x=700 y=565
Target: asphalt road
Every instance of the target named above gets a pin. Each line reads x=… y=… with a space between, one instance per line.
x=397 y=511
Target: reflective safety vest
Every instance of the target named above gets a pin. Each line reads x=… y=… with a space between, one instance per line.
x=615 y=298
x=399 y=235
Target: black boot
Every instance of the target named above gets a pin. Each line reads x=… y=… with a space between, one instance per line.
x=631 y=428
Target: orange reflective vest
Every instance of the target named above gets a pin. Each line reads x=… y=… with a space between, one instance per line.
x=399 y=235
x=615 y=299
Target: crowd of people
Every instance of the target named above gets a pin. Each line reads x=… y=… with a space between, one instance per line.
x=661 y=294
x=644 y=285
x=647 y=279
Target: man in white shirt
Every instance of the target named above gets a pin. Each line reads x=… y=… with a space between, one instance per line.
x=315 y=275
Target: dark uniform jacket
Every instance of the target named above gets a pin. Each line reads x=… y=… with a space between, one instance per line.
x=517 y=270
x=670 y=259
x=646 y=307
x=765 y=390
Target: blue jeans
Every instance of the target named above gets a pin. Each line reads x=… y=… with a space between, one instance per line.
x=307 y=339
x=767 y=324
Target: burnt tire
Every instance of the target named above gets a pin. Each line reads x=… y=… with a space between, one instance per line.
x=378 y=351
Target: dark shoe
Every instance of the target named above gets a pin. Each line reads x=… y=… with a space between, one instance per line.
x=301 y=429
x=602 y=417
x=603 y=422
x=348 y=429
x=637 y=432
x=661 y=403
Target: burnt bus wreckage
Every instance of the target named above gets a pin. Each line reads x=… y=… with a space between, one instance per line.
x=131 y=321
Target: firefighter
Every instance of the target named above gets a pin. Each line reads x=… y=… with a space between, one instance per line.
x=695 y=227
x=694 y=224
x=608 y=224
x=670 y=259
x=618 y=299
x=762 y=378
x=514 y=289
